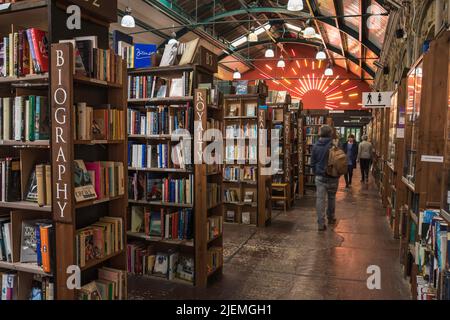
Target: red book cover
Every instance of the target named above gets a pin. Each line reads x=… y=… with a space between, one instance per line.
x=40 y=48
x=96 y=167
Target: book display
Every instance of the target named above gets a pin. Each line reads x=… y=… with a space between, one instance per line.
x=247 y=192
x=285 y=150
x=414 y=181
x=312 y=121
x=63 y=184
x=175 y=198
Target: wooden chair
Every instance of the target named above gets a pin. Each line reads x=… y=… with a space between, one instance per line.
x=280 y=193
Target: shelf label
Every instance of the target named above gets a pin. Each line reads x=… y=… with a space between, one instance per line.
x=435 y=159
x=62 y=137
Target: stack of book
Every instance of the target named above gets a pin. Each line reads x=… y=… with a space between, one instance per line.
x=104 y=123
x=215 y=259
x=110 y=285
x=214 y=193
x=24 y=52
x=159 y=122
x=146 y=260
x=241 y=153
x=9 y=285
x=246 y=131
x=147 y=187
x=232 y=174
x=214 y=225
x=148 y=156
x=42 y=289
x=164 y=223
x=39 y=185
x=107 y=178
x=232 y=195
x=24 y=118
x=10 y=175
x=148 y=87
x=99 y=240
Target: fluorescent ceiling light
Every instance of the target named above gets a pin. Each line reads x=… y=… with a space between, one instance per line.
x=293 y=27
x=263 y=29
x=295 y=5
x=240 y=41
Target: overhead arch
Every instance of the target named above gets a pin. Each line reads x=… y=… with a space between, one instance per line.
x=309 y=43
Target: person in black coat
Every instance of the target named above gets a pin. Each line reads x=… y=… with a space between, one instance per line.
x=351 y=150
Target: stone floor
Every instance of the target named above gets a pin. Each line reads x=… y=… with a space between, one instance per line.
x=291 y=260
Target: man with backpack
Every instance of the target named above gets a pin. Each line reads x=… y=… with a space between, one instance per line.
x=328 y=163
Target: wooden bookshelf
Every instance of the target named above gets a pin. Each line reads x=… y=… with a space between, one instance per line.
x=298 y=157
x=198 y=106
x=312 y=121
x=236 y=108
x=283 y=122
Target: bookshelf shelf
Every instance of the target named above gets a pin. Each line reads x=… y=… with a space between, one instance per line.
x=158 y=137
x=175 y=280
x=96 y=262
x=162 y=101
x=98 y=142
x=24 y=205
x=22 y=6
x=80 y=79
x=169 y=170
x=36 y=144
x=24 y=267
x=161 y=70
x=91 y=203
x=186 y=243
x=26 y=79
x=161 y=204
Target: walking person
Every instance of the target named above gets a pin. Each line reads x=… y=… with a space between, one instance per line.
x=351 y=150
x=365 y=153
x=326 y=185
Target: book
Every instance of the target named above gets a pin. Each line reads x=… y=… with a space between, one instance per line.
x=170 y=55
x=84 y=189
x=230 y=217
x=246 y=217
x=143 y=55
x=189 y=52
x=137 y=219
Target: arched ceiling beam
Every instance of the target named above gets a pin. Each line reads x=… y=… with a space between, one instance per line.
x=332 y=48
x=302 y=15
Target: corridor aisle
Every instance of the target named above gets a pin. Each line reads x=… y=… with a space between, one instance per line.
x=292 y=260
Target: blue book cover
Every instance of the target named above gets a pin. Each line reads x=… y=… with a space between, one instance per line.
x=38 y=244
x=143 y=55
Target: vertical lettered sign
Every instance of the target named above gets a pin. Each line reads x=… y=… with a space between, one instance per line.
x=288 y=147
x=62 y=138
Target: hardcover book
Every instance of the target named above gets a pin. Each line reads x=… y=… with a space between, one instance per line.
x=84 y=189
x=143 y=55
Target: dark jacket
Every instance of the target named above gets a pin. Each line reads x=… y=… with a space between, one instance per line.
x=319 y=156
x=354 y=154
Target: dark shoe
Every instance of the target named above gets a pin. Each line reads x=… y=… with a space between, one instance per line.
x=322 y=228
x=332 y=221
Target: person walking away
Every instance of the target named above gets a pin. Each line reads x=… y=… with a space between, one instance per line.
x=326 y=185
x=351 y=150
x=365 y=152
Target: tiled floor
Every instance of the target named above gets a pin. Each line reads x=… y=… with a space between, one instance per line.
x=291 y=260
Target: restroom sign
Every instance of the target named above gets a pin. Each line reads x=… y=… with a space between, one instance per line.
x=377 y=99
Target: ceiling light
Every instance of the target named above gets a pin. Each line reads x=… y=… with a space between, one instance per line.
x=252 y=37
x=293 y=27
x=240 y=41
x=321 y=55
x=309 y=32
x=329 y=71
x=236 y=74
x=263 y=29
x=295 y=5
x=281 y=63
x=269 y=53
x=127 y=19
x=173 y=38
